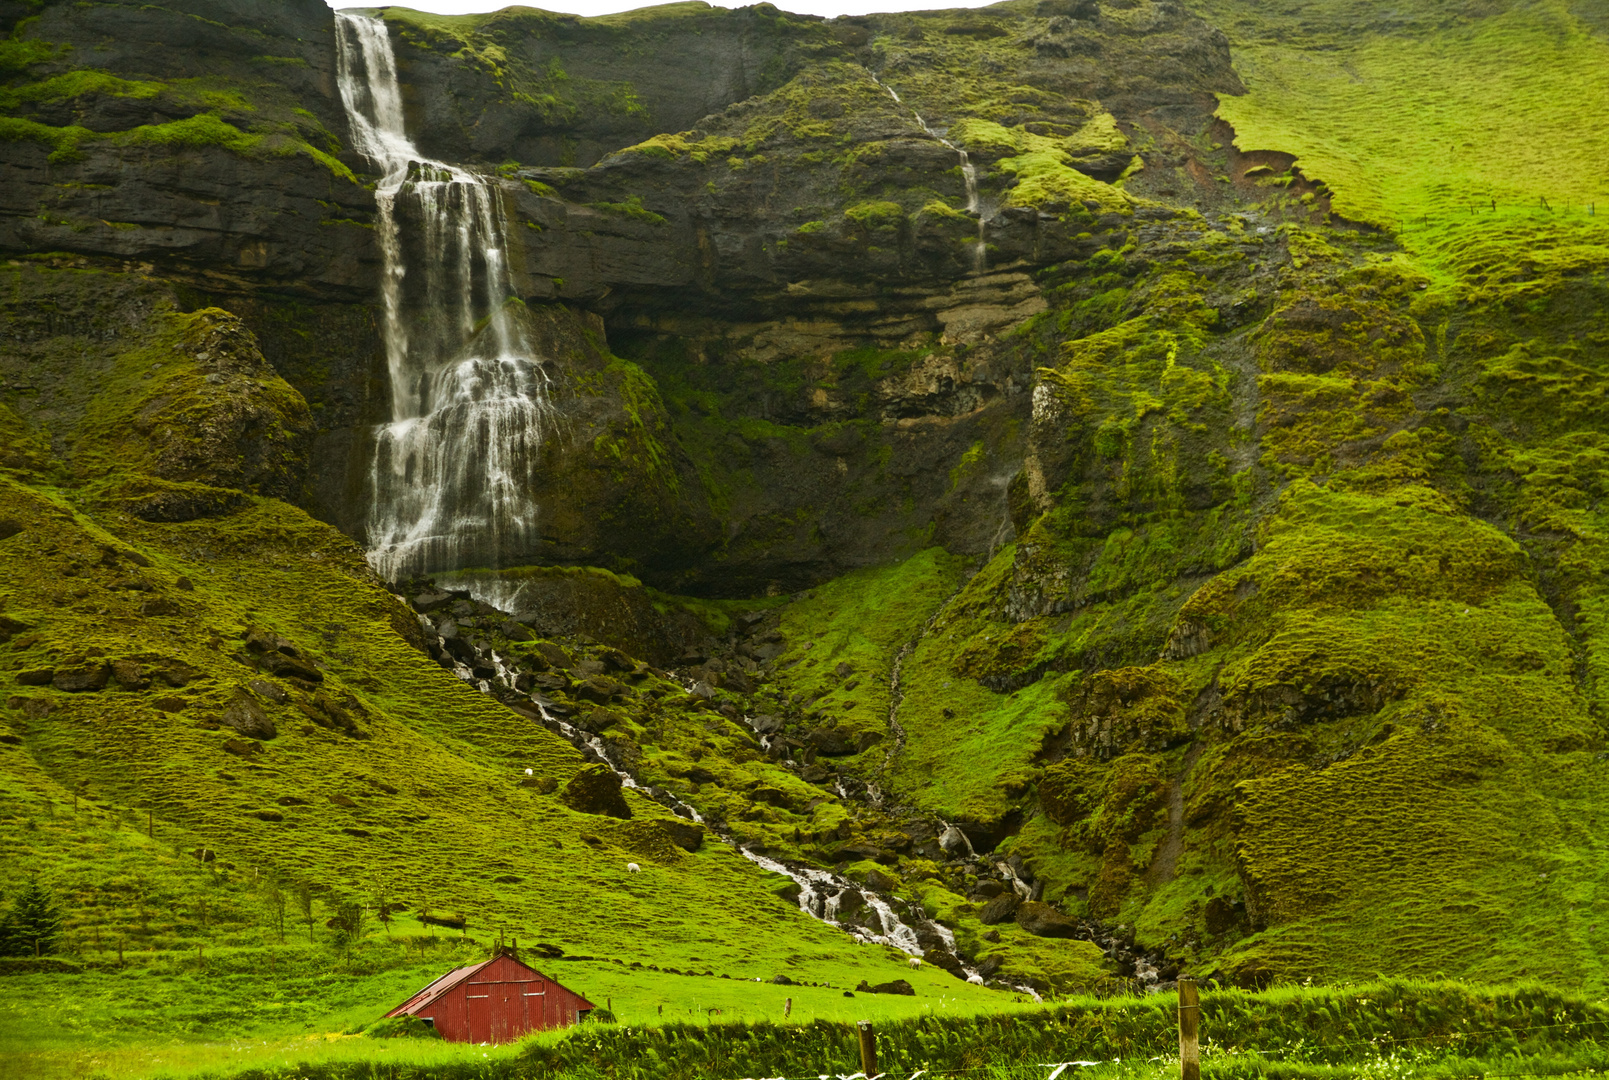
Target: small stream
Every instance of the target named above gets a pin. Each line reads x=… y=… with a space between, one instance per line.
x=969 y=175
x=822 y=894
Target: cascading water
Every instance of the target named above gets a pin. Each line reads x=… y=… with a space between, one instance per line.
x=969 y=176
x=469 y=399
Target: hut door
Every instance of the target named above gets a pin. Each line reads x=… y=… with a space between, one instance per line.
x=497 y=1011
x=536 y=995
x=481 y=1010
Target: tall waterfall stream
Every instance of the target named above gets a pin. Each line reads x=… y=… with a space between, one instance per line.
x=470 y=407
x=469 y=398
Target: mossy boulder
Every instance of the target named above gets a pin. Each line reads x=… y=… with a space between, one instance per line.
x=595 y=789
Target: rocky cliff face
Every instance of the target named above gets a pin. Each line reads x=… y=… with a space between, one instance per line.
x=1217 y=551
x=803 y=219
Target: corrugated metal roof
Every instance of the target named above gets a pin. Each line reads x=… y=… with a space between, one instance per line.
x=430 y=993
x=436 y=989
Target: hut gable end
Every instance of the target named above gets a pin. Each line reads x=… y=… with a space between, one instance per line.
x=494 y=1002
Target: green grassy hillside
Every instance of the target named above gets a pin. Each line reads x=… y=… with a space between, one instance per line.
x=1288 y=661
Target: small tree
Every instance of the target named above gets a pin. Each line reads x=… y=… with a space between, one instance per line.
x=274 y=900
x=348 y=925
x=304 y=904
x=383 y=908
x=32 y=925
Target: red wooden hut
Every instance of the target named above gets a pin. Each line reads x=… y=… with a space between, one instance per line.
x=494 y=1002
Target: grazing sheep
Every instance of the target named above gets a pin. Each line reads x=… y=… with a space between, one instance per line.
x=632 y=867
x=916 y=962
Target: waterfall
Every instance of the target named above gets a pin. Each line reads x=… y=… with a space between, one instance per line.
x=969 y=177
x=469 y=398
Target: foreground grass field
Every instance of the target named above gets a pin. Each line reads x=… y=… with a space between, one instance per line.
x=1385 y=1029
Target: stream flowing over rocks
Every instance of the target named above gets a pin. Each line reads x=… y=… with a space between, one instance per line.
x=861 y=910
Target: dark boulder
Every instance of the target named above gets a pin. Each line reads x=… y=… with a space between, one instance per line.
x=830 y=741
x=286 y=667
x=1045 y=921
x=597 y=720
x=595 y=790
x=898 y=986
x=85 y=677
x=242 y=748
x=686 y=835
x=617 y=660
x=598 y=689
x=850 y=901
x=861 y=849
x=430 y=600
x=945 y=960
x=36 y=676
x=244 y=715
x=130 y=674
x=554 y=655
x=268 y=691
x=175 y=673
x=999 y=910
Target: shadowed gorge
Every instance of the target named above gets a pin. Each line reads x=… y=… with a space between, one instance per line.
x=917 y=516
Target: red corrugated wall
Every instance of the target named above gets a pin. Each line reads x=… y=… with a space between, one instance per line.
x=501 y=1002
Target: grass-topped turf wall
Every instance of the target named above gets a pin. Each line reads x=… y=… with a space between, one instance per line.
x=1426 y=1029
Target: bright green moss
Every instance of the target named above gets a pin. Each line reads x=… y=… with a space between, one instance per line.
x=77 y=83
x=632 y=207
x=670 y=147
x=876 y=215
x=206 y=129
x=1451 y=136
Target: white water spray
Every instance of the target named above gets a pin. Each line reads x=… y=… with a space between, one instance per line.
x=469 y=399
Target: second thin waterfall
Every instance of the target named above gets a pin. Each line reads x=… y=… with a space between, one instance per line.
x=469 y=398
x=969 y=177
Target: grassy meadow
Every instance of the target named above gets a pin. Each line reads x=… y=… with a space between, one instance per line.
x=1380 y=1029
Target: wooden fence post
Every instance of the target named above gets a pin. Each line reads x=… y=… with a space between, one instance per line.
x=868 y=1048
x=1189 y=1030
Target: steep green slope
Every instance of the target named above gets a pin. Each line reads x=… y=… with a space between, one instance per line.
x=1472 y=137
x=1373 y=744
x=1232 y=550
x=220 y=731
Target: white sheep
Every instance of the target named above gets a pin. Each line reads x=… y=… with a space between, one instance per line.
x=916 y=962
x=633 y=868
